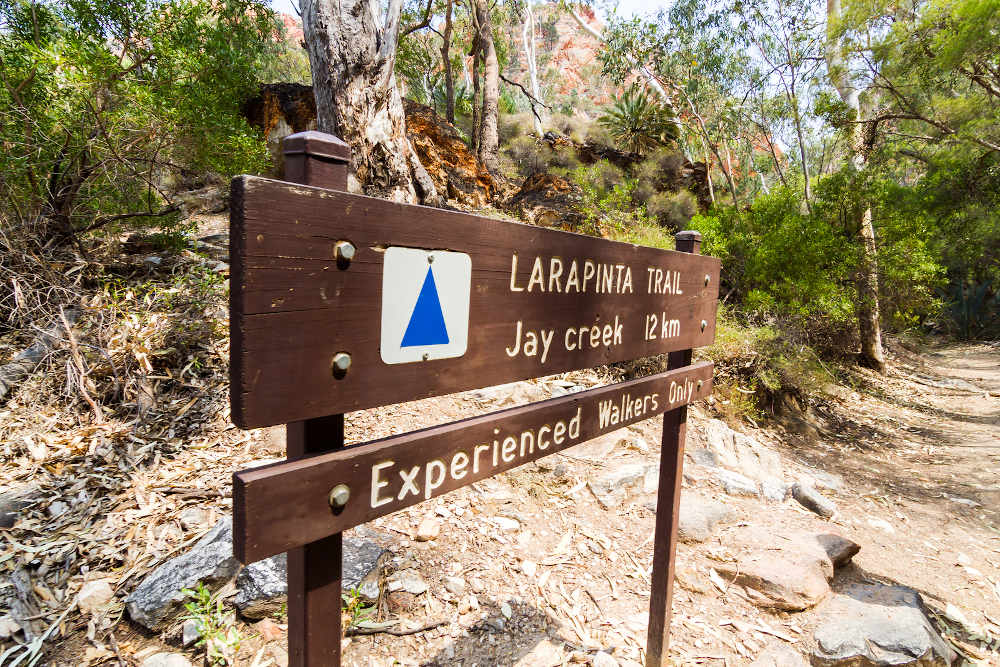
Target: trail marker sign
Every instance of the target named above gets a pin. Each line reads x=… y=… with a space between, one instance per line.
x=340 y=302
x=425 y=305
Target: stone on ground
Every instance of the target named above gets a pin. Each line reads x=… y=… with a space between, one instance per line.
x=428 y=529
x=166 y=660
x=871 y=625
x=788 y=572
x=262 y=587
x=602 y=659
x=210 y=561
x=190 y=632
x=95 y=596
x=813 y=500
x=740 y=452
x=14 y=500
x=611 y=486
x=774 y=490
x=736 y=484
x=779 y=655
x=699 y=516
x=545 y=653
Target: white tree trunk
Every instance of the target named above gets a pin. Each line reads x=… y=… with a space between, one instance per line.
x=528 y=39
x=869 y=318
x=488 y=147
x=352 y=51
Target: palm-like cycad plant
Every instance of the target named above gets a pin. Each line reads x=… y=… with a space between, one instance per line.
x=638 y=124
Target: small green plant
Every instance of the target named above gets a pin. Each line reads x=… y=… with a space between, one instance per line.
x=219 y=635
x=355 y=607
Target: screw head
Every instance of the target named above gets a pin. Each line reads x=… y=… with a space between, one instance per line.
x=430 y=259
x=426 y=356
x=703 y=325
x=700 y=383
x=341 y=361
x=339 y=495
x=708 y=279
x=344 y=250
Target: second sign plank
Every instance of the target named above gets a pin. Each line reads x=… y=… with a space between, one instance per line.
x=285 y=505
x=341 y=302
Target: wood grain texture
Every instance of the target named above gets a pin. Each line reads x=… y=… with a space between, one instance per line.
x=293 y=307
x=280 y=506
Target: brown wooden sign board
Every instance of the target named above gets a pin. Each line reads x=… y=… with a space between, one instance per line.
x=341 y=302
x=286 y=505
x=540 y=301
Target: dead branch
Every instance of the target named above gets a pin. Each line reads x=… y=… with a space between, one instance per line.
x=28 y=359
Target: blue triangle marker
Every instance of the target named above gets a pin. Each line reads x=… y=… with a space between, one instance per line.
x=426 y=325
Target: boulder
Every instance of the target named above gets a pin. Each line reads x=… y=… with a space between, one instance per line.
x=789 y=572
x=547 y=200
x=871 y=625
x=740 y=452
x=736 y=484
x=699 y=516
x=262 y=587
x=611 y=486
x=210 y=561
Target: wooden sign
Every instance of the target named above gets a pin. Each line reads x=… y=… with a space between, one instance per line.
x=286 y=505
x=341 y=302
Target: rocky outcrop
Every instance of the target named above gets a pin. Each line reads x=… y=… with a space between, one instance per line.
x=454 y=169
x=283 y=108
x=547 y=200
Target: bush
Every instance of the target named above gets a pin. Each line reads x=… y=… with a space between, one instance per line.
x=525 y=155
x=673 y=210
x=515 y=126
x=639 y=124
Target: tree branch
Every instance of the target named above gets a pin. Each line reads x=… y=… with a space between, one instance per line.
x=424 y=23
x=101 y=222
x=531 y=98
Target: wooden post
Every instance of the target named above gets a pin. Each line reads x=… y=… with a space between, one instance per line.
x=314 y=570
x=668 y=501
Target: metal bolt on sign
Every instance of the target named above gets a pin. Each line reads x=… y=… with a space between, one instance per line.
x=344 y=250
x=339 y=495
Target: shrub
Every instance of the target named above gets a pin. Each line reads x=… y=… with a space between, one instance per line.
x=673 y=210
x=637 y=123
x=526 y=155
x=515 y=126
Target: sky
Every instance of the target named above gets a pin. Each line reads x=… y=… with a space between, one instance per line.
x=625 y=7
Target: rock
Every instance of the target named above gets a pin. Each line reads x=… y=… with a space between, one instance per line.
x=14 y=500
x=813 y=500
x=506 y=610
x=428 y=529
x=268 y=630
x=740 y=452
x=407 y=580
x=262 y=587
x=210 y=561
x=190 y=632
x=779 y=655
x=790 y=572
x=364 y=560
x=454 y=585
x=477 y=585
x=166 y=660
x=545 y=653
x=529 y=568
x=192 y=518
x=602 y=659
x=507 y=524
x=869 y=625
x=774 y=489
x=57 y=509
x=280 y=656
x=8 y=627
x=456 y=172
x=94 y=596
x=704 y=457
x=547 y=200
x=611 y=487
x=698 y=517
x=736 y=484
x=839 y=550
x=881 y=524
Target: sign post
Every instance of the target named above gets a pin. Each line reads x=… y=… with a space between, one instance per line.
x=341 y=302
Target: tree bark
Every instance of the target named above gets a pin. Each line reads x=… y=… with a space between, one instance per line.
x=528 y=38
x=352 y=51
x=488 y=146
x=862 y=140
x=449 y=75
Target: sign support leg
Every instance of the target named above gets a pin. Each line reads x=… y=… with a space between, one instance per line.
x=315 y=570
x=668 y=501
